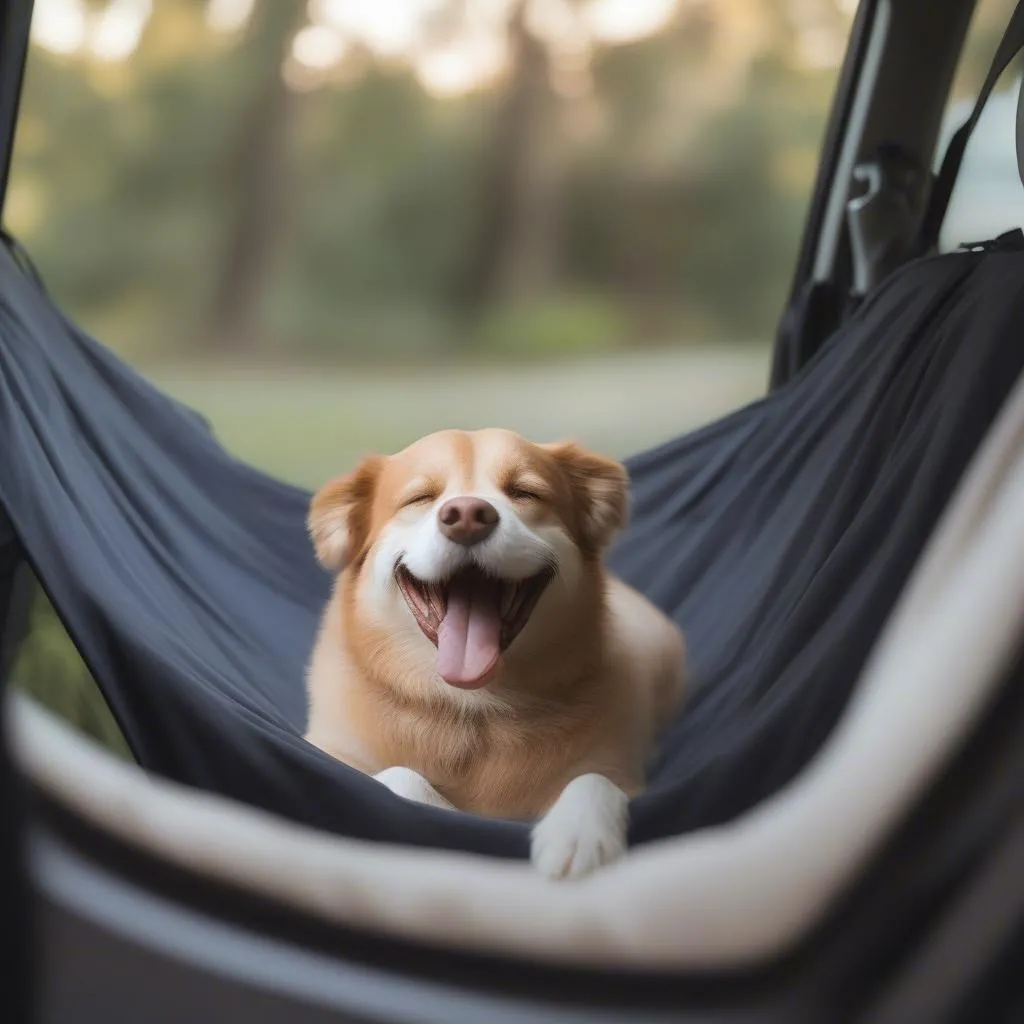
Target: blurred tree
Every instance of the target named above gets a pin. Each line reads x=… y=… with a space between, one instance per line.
x=986 y=29
x=115 y=184
x=692 y=202
x=257 y=183
x=190 y=196
x=514 y=249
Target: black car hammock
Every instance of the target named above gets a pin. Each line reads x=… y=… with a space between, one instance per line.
x=779 y=538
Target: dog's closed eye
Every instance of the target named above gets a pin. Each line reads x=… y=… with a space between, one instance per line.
x=524 y=491
x=423 y=497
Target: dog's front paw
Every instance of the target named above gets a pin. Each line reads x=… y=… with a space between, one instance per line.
x=406 y=783
x=585 y=829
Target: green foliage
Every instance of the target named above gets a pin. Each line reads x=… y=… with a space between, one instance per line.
x=988 y=22
x=380 y=218
x=126 y=178
x=50 y=669
x=560 y=325
x=685 y=174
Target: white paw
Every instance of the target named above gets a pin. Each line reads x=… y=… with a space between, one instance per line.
x=585 y=829
x=406 y=783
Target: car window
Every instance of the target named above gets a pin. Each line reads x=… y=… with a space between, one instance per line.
x=333 y=226
x=988 y=197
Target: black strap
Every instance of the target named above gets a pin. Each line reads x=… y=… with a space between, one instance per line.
x=1009 y=46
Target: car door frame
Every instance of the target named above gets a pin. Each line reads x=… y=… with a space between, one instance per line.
x=893 y=87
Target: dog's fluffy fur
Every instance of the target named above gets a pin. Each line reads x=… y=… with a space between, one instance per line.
x=562 y=723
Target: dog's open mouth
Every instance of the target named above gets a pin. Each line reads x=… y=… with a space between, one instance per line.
x=471 y=618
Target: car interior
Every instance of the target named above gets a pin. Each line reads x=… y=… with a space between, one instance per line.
x=835 y=837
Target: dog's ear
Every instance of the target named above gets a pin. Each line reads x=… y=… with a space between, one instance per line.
x=339 y=515
x=600 y=492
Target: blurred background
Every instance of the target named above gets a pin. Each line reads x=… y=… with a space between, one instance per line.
x=334 y=226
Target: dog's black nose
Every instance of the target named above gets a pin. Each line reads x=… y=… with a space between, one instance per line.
x=467 y=521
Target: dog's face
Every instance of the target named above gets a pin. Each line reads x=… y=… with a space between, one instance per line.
x=465 y=549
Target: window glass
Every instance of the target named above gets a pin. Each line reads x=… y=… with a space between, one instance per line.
x=988 y=197
x=337 y=225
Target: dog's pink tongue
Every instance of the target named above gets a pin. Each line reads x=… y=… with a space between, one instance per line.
x=469 y=639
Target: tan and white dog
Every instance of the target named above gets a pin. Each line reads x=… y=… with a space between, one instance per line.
x=476 y=654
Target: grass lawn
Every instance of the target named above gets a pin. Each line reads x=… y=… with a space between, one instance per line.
x=306 y=425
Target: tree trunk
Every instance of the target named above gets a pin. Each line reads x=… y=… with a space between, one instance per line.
x=515 y=252
x=258 y=178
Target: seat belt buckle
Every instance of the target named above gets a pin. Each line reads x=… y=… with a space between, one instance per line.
x=885 y=218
